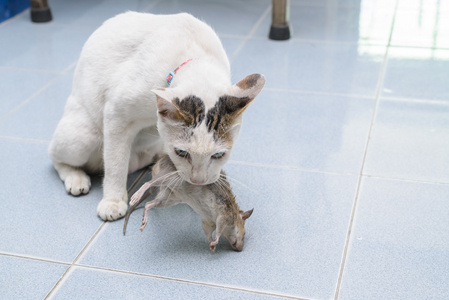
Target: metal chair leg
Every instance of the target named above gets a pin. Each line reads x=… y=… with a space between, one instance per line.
x=40 y=11
x=280 y=27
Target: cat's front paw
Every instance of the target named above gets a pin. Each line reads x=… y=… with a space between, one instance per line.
x=110 y=210
x=77 y=183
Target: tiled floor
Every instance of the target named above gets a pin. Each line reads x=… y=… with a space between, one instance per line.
x=344 y=157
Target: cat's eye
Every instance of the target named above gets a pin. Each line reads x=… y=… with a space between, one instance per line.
x=218 y=155
x=181 y=153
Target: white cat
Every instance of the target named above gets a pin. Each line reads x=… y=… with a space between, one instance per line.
x=121 y=114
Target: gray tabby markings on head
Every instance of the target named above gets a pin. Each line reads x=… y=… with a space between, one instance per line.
x=222 y=115
x=218 y=119
x=192 y=110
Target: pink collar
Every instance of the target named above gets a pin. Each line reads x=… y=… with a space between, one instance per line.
x=172 y=74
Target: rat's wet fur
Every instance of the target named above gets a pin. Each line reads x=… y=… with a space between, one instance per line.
x=215 y=203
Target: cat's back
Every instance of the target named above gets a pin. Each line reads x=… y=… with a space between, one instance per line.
x=137 y=50
x=144 y=33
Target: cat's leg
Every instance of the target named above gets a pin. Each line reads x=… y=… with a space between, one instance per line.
x=76 y=181
x=74 y=140
x=118 y=138
x=146 y=147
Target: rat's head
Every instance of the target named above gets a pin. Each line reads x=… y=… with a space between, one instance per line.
x=199 y=138
x=235 y=234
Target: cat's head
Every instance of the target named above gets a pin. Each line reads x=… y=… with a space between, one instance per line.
x=198 y=138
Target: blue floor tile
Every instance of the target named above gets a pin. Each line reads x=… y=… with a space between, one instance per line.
x=22 y=278
x=399 y=243
x=318 y=67
x=92 y=14
x=42 y=112
x=326 y=133
x=297 y=230
x=19 y=85
x=410 y=140
x=244 y=14
x=421 y=24
x=41 y=220
x=41 y=46
x=417 y=73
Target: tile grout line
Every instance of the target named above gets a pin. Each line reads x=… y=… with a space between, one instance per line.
x=27 y=257
x=67 y=272
x=406 y=180
x=248 y=36
x=9 y=68
x=318 y=93
x=27 y=10
x=442 y=102
x=236 y=162
x=337 y=42
x=189 y=282
x=25 y=140
x=37 y=93
x=144 y=172
x=357 y=194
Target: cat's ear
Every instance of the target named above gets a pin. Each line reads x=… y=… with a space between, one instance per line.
x=165 y=107
x=247 y=89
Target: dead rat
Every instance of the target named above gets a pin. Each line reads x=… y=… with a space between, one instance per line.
x=215 y=203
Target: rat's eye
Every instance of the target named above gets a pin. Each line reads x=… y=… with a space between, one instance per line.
x=181 y=153
x=218 y=155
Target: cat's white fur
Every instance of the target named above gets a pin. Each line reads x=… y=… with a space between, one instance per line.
x=110 y=122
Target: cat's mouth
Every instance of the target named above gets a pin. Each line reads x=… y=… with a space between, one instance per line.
x=198 y=183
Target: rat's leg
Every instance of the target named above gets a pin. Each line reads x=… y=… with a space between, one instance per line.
x=134 y=203
x=220 y=226
x=208 y=228
x=163 y=199
x=148 y=206
x=136 y=198
x=160 y=178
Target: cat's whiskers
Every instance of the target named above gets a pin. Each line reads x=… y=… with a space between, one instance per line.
x=172 y=184
x=233 y=180
x=168 y=176
x=223 y=185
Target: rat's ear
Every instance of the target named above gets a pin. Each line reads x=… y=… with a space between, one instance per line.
x=246 y=214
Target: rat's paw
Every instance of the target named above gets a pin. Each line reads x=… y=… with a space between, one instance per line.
x=110 y=210
x=213 y=245
x=77 y=183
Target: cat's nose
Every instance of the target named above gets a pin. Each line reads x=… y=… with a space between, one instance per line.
x=198 y=177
